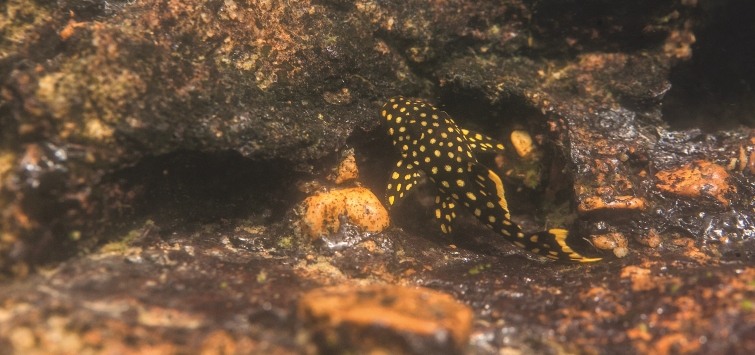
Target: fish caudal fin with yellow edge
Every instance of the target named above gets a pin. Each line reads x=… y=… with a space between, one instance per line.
x=429 y=141
x=552 y=244
x=491 y=209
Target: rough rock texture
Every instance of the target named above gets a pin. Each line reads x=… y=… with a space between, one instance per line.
x=385 y=319
x=152 y=152
x=322 y=212
x=232 y=287
x=93 y=88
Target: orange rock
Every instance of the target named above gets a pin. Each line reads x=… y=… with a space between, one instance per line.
x=596 y=203
x=347 y=170
x=651 y=239
x=615 y=242
x=522 y=142
x=70 y=29
x=696 y=179
x=359 y=205
x=641 y=278
x=386 y=319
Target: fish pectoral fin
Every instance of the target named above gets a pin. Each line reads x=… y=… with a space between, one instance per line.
x=445 y=213
x=402 y=179
x=481 y=143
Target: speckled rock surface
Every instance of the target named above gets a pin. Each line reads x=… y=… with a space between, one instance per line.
x=89 y=89
x=385 y=319
x=235 y=287
x=152 y=154
x=322 y=212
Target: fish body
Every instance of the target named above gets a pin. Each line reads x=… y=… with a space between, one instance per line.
x=430 y=142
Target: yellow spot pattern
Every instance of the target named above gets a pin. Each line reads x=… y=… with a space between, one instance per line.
x=431 y=142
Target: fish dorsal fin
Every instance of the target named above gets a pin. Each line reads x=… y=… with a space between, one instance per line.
x=481 y=143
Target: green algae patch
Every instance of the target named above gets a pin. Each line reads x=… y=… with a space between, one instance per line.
x=120 y=245
x=477 y=269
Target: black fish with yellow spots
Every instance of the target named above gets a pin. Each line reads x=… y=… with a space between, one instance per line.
x=430 y=141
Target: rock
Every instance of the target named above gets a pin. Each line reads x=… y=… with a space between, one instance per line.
x=696 y=180
x=522 y=142
x=385 y=319
x=616 y=242
x=597 y=109
x=322 y=212
x=650 y=239
x=641 y=278
x=269 y=80
x=347 y=169
x=616 y=203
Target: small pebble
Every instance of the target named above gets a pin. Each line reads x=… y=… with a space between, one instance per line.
x=616 y=242
x=522 y=142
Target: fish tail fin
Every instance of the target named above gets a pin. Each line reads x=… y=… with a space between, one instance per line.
x=552 y=244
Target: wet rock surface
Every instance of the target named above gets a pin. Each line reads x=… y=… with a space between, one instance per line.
x=385 y=319
x=233 y=287
x=322 y=212
x=93 y=89
x=152 y=155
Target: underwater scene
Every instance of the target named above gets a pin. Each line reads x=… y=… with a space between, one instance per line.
x=377 y=177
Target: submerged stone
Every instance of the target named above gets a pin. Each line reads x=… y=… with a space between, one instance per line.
x=385 y=319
